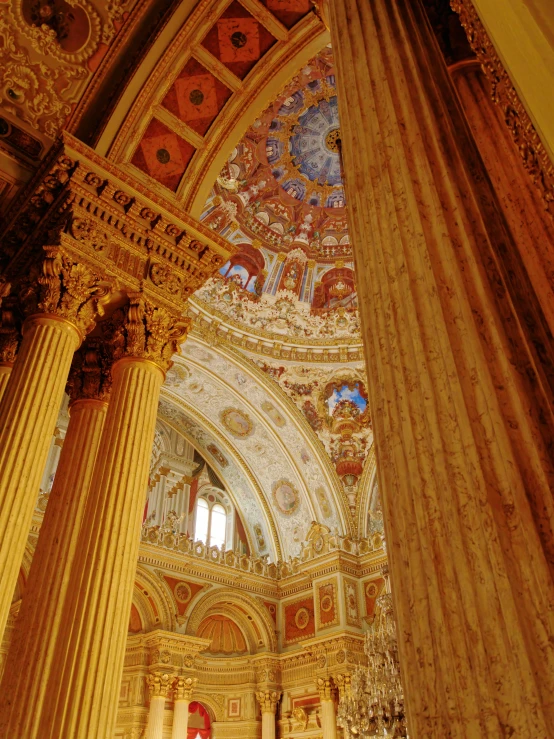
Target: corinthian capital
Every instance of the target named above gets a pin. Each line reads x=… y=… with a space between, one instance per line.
x=343 y=683
x=10 y=328
x=268 y=700
x=183 y=688
x=146 y=331
x=66 y=288
x=326 y=688
x=159 y=684
x=90 y=375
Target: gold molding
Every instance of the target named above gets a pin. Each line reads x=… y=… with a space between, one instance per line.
x=535 y=157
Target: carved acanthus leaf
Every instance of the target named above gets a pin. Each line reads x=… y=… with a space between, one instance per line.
x=66 y=288
x=145 y=331
x=90 y=375
x=10 y=326
x=159 y=683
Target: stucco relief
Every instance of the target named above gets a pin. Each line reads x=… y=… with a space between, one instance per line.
x=264 y=449
x=239 y=485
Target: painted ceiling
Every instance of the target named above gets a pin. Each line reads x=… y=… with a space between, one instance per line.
x=227 y=109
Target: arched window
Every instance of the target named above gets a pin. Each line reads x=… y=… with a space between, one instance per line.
x=211 y=523
x=202 y=520
x=218 y=525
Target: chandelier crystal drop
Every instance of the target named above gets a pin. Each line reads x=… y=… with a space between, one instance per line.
x=372 y=698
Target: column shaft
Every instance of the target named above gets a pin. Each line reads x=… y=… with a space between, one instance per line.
x=5 y=372
x=180 y=719
x=82 y=690
x=28 y=414
x=268 y=725
x=155 y=726
x=328 y=719
x=461 y=401
x=37 y=629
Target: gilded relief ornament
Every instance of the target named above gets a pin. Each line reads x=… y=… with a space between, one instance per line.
x=237 y=422
x=302 y=618
x=86 y=231
x=286 y=497
x=90 y=373
x=66 y=288
x=142 y=330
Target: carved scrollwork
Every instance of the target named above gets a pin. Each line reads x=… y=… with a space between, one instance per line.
x=90 y=375
x=10 y=326
x=535 y=158
x=159 y=683
x=65 y=288
x=89 y=233
x=49 y=31
x=142 y=330
x=183 y=687
x=268 y=700
x=164 y=277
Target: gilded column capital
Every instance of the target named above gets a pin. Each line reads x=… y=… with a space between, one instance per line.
x=326 y=688
x=10 y=328
x=183 y=687
x=343 y=683
x=90 y=376
x=268 y=700
x=141 y=330
x=159 y=684
x=65 y=287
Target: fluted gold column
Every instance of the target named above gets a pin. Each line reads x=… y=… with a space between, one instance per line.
x=460 y=387
x=5 y=372
x=521 y=203
x=268 y=700
x=59 y=301
x=159 y=685
x=82 y=688
x=36 y=629
x=326 y=691
x=183 y=688
x=9 y=334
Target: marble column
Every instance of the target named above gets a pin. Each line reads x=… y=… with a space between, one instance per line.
x=460 y=387
x=326 y=691
x=521 y=203
x=183 y=688
x=159 y=685
x=268 y=700
x=62 y=303
x=37 y=629
x=82 y=688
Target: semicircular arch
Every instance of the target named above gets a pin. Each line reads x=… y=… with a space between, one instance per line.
x=212 y=601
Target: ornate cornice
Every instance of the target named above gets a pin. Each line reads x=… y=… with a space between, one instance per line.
x=534 y=155
x=110 y=224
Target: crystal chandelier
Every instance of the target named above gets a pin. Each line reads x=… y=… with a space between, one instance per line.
x=372 y=698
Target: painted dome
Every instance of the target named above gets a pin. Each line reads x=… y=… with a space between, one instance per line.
x=281 y=199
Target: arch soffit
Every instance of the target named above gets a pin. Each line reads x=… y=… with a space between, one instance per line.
x=184 y=421
x=163 y=601
x=211 y=602
x=311 y=439
x=318 y=472
x=240 y=620
x=179 y=41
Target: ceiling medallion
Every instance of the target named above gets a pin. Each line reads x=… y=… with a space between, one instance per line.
x=332 y=140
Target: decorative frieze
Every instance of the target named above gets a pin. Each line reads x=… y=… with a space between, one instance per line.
x=534 y=155
x=105 y=222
